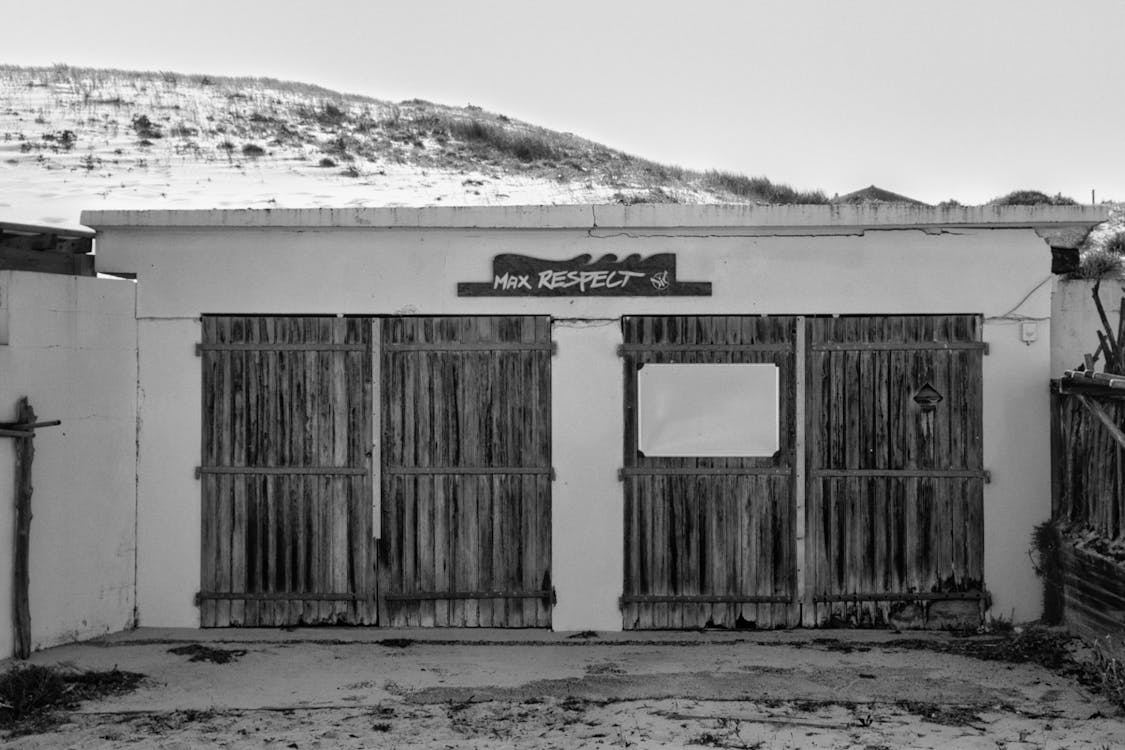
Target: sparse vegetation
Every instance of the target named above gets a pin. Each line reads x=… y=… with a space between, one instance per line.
x=182 y=131
x=146 y=128
x=1098 y=263
x=1109 y=669
x=1032 y=198
x=31 y=695
x=1115 y=245
x=762 y=190
x=302 y=127
x=199 y=652
x=526 y=147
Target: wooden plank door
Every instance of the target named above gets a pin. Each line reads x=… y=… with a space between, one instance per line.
x=286 y=472
x=709 y=541
x=894 y=459
x=466 y=472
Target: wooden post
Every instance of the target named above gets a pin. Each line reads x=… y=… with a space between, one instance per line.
x=25 y=453
x=1056 y=451
x=802 y=590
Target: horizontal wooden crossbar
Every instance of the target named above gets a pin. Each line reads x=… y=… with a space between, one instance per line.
x=418 y=596
x=623 y=349
x=704 y=599
x=868 y=596
x=16 y=433
x=277 y=347
x=476 y=470
x=29 y=425
x=904 y=473
x=277 y=596
x=24 y=429
x=898 y=346
x=647 y=471
x=284 y=470
x=475 y=346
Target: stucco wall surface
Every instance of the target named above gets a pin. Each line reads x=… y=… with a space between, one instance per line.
x=1003 y=274
x=1075 y=321
x=71 y=349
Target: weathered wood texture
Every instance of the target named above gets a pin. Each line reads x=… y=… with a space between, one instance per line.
x=466 y=457
x=706 y=548
x=21 y=580
x=1093 y=594
x=1090 y=474
x=895 y=491
x=1089 y=507
x=298 y=521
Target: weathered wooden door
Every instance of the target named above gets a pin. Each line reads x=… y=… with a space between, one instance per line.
x=466 y=472
x=709 y=540
x=286 y=474
x=894 y=460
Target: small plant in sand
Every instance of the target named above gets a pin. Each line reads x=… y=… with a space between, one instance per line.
x=32 y=695
x=146 y=128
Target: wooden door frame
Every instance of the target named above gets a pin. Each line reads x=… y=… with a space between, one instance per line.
x=633 y=356
x=804 y=586
x=219 y=589
x=535 y=338
x=811 y=596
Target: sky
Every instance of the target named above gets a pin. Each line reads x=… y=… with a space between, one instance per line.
x=934 y=100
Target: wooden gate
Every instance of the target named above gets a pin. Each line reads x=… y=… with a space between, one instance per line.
x=286 y=474
x=709 y=541
x=894 y=459
x=466 y=472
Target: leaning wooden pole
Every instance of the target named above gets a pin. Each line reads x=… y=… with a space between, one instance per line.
x=25 y=453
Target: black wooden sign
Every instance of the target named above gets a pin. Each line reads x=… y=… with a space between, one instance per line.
x=631 y=276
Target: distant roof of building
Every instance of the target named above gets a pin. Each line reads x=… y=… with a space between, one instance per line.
x=873 y=194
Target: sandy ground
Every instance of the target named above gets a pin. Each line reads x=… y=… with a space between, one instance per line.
x=490 y=689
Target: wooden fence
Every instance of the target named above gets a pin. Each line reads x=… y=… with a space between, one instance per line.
x=1088 y=507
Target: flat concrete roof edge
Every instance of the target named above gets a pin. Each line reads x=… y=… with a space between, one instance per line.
x=641 y=216
x=34 y=228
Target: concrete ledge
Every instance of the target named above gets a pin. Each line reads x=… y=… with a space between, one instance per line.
x=501 y=636
x=641 y=216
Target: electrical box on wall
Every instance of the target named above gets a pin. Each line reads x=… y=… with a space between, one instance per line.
x=1029 y=331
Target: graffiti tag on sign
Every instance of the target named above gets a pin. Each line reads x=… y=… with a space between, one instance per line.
x=522 y=276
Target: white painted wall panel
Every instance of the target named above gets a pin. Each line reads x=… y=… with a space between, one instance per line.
x=72 y=352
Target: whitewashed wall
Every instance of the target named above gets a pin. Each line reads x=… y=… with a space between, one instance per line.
x=1075 y=321
x=71 y=349
x=227 y=265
